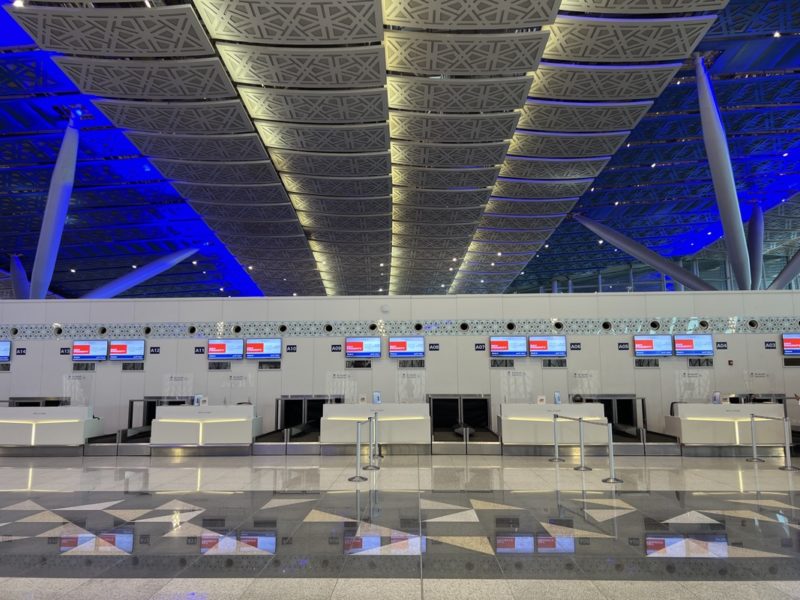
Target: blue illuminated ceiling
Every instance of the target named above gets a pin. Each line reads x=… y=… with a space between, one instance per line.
x=321 y=215
x=657 y=188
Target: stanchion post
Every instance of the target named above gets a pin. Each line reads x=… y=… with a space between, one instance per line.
x=612 y=469
x=375 y=427
x=787 y=446
x=754 y=458
x=358 y=477
x=371 y=466
x=556 y=458
x=582 y=466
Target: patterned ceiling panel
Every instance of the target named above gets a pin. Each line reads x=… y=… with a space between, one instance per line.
x=344 y=223
x=417 y=52
x=341 y=206
x=479 y=259
x=316 y=106
x=244 y=212
x=532 y=188
x=544 y=222
x=211 y=116
x=185 y=79
x=23 y=73
x=480 y=247
x=236 y=194
x=293 y=22
x=452 y=128
x=432 y=216
x=338 y=186
x=574 y=38
x=199 y=147
x=457 y=14
x=247 y=244
x=448 y=155
x=351 y=236
x=330 y=163
x=255 y=228
x=168 y=31
x=457 y=95
x=426 y=177
x=217 y=172
x=552 y=168
x=562 y=145
x=324 y=138
x=322 y=68
x=544 y=115
x=642 y=6
x=503 y=206
x=433 y=198
x=508 y=236
x=558 y=81
x=434 y=242
x=461 y=231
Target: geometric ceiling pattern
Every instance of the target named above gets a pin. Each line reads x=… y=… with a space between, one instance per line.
x=360 y=147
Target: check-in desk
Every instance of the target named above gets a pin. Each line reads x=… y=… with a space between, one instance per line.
x=525 y=428
x=47 y=426
x=726 y=425
x=402 y=428
x=205 y=426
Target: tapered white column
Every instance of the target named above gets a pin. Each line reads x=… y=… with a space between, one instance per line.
x=719 y=162
x=20 y=286
x=55 y=213
x=137 y=276
x=644 y=254
x=755 y=245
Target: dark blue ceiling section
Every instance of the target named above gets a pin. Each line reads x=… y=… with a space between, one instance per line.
x=122 y=213
x=657 y=188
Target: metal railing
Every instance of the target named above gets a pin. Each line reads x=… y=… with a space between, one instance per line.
x=612 y=470
x=787 y=441
x=372 y=465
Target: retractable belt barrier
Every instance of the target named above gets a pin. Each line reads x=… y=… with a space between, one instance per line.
x=787 y=441
x=612 y=475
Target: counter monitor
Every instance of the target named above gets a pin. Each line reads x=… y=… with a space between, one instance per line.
x=264 y=348
x=406 y=347
x=5 y=351
x=126 y=350
x=225 y=349
x=362 y=347
x=791 y=344
x=89 y=350
x=652 y=345
x=508 y=346
x=694 y=345
x=548 y=346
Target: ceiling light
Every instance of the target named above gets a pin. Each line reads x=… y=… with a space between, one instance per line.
x=492 y=264
x=72 y=270
x=616 y=203
x=134 y=266
x=454 y=259
x=653 y=166
x=600 y=242
x=547 y=245
x=284 y=278
x=380 y=289
x=591 y=190
x=450 y=269
x=523 y=273
x=481 y=280
x=499 y=254
x=777 y=34
x=442 y=285
x=294 y=293
x=194 y=262
x=204 y=272
x=785 y=154
x=249 y=267
x=380 y=265
x=222 y=289
x=19 y=3
x=708 y=233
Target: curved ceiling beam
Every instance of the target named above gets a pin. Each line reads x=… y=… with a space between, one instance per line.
x=20 y=286
x=755 y=245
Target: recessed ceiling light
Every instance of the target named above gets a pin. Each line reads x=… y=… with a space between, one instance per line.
x=19 y=3
x=616 y=203
x=294 y=293
x=547 y=245
x=204 y=272
x=600 y=242
x=523 y=273
x=442 y=285
x=222 y=289
x=777 y=34
x=380 y=265
x=249 y=267
x=194 y=262
x=653 y=166
x=481 y=280
x=380 y=289
x=450 y=269
x=284 y=278
x=499 y=254
x=492 y=264
x=785 y=154
x=134 y=266
x=72 y=270
x=454 y=259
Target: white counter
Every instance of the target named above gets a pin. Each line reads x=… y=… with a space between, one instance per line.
x=725 y=424
x=532 y=424
x=397 y=423
x=204 y=425
x=48 y=426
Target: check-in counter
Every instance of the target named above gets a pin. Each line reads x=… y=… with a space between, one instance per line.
x=532 y=424
x=48 y=426
x=397 y=423
x=725 y=424
x=204 y=425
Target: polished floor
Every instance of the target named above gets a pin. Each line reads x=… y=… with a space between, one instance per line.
x=420 y=527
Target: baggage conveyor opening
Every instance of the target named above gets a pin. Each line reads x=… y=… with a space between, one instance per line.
x=461 y=424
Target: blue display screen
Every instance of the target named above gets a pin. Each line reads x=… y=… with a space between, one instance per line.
x=5 y=351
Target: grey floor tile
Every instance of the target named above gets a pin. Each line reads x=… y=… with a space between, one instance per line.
x=34 y=588
x=579 y=589
x=297 y=589
x=116 y=589
x=370 y=589
x=465 y=589
x=207 y=589
x=738 y=590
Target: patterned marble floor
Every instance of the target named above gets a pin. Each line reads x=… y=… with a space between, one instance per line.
x=147 y=528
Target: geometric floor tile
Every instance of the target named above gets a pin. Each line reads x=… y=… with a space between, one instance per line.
x=365 y=529
x=178 y=505
x=466 y=516
x=25 y=505
x=484 y=505
x=426 y=504
x=279 y=502
x=692 y=548
x=98 y=506
x=561 y=531
x=475 y=543
x=613 y=502
x=692 y=517
x=65 y=530
x=176 y=517
x=128 y=514
x=12 y=538
x=43 y=517
x=186 y=530
x=767 y=503
x=410 y=546
x=605 y=514
x=740 y=514
x=229 y=545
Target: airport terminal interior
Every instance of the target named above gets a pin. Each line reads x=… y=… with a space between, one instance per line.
x=399 y=299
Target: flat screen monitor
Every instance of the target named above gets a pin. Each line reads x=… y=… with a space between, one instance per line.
x=559 y=544
x=126 y=350
x=652 y=345
x=514 y=543
x=676 y=545
x=362 y=347
x=507 y=346
x=5 y=351
x=548 y=346
x=225 y=349
x=89 y=350
x=791 y=344
x=263 y=348
x=694 y=345
x=406 y=347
